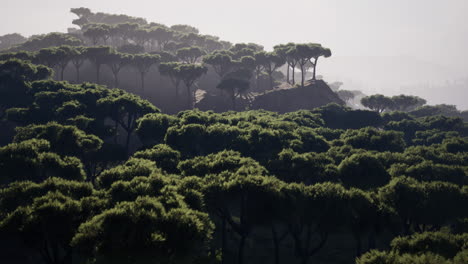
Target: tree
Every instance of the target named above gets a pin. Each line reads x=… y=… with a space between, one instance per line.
x=184 y=29
x=49 y=57
x=190 y=73
x=407 y=103
x=162 y=36
x=190 y=55
x=363 y=171
x=221 y=62
x=302 y=53
x=322 y=210
x=260 y=62
x=32 y=160
x=272 y=62
x=48 y=40
x=346 y=95
x=319 y=52
x=78 y=58
x=234 y=87
x=48 y=222
x=98 y=55
x=116 y=61
x=143 y=63
x=378 y=102
x=170 y=69
x=66 y=54
x=144 y=230
x=96 y=32
x=9 y=40
x=125 y=109
x=15 y=79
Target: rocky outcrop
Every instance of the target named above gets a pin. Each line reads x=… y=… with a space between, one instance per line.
x=286 y=99
x=283 y=99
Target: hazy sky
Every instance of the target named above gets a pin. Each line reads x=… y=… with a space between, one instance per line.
x=417 y=31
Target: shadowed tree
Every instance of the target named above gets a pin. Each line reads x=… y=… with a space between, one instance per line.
x=116 y=61
x=66 y=53
x=272 y=63
x=319 y=51
x=345 y=95
x=190 y=55
x=96 y=32
x=98 y=55
x=32 y=160
x=292 y=59
x=282 y=51
x=49 y=57
x=170 y=69
x=125 y=109
x=143 y=63
x=303 y=54
x=162 y=36
x=378 y=102
x=143 y=230
x=233 y=87
x=9 y=40
x=15 y=79
x=221 y=62
x=407 y=103
x=260 y=62
x=190 y=73
x=78 y=58
x=185 y=29
x=50 y=216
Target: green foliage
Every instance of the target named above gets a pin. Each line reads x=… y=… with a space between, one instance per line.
x=132 y=168
x=165 y=157
x=378 y=103
x=444 y=244
x=63 y=139
x=373 y=139
x=32 y=160
x=143 y=230
x=340 y=117
x=363 y=171
x=307 y=168
x=230 y=161
x=48 y=40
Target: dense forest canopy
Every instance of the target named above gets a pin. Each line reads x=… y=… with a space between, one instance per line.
x=128 y=141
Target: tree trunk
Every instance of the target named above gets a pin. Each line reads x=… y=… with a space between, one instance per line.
x=240 y=255
x=189 y=98
x=142 y=81
x=129 y=132
x=223 y=241
x=371 y=239
x=62 y=69
x=271 y=80
x=315 y=68
x=116 y=80
x=357 y=238
x=275 y=244
x=294 y=75
x=257 y=80
x=77 y=74
x=302 y=75
x=233 y=98
x=287 y=73
x=98 y=69
x=116 y=127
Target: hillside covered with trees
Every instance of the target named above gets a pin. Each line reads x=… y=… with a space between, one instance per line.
x=105 y=156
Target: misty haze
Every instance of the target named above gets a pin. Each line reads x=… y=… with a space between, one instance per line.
x=234 y=132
